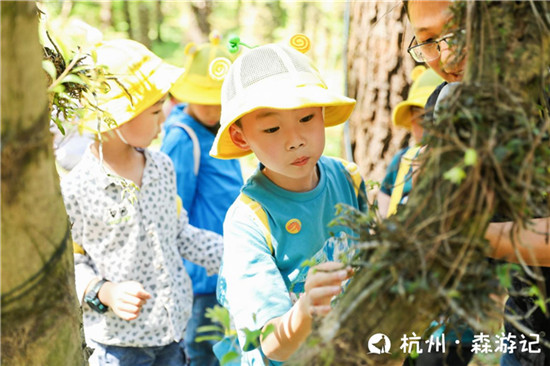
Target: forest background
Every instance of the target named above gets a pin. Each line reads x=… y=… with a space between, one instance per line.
x=359 y=46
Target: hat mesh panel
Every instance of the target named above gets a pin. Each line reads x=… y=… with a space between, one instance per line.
x=299 y=63
x=229 y=83
x=259 y=65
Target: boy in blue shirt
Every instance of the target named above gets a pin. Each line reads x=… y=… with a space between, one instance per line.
x=275 y=104
x=407 y=114
x=207 y=186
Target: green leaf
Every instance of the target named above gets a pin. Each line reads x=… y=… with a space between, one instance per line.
x=59 y=125
x=455 y=175
x=49 y=67
x=58 y=89
x=534 y=292
x=270 y=328
x=252 y=339
x=228 y=357
x=209 y=328
x=72 y=78
x=470 y=157
x=94 y=55
x=208 y=338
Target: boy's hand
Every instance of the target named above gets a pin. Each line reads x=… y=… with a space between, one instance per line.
x=124 y=298
x=323 y=282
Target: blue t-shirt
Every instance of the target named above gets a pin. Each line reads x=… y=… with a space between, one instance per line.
x=256 y=285
x=207 y=196
x=391 y=175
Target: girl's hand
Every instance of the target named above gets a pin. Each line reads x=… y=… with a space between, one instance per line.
x=124 y=298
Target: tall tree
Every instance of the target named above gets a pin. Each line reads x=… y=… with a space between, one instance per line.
x=40 y=312
x=202 y=10
x=144 y=23
x=159 y=19
x=128 y=18
x=378 y=77
x=106 y=14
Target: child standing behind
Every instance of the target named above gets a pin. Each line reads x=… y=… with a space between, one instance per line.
x=122 y=203
x=275 y=104
x=207 y=186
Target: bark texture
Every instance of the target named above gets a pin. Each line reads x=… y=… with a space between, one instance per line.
x=378 y=77
x=41 y=321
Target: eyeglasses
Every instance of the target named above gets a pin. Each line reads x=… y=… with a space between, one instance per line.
x=428 y=51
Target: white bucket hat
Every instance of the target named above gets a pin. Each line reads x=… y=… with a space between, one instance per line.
x=274 y=76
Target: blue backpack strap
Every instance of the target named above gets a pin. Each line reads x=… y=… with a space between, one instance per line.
x=196 y=145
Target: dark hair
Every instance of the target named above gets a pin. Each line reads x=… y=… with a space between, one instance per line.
x=406 y=6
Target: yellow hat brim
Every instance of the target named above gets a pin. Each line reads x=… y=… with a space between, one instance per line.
x=338 y=108
x=401 y=115
x=138 y=85
x=197 y=90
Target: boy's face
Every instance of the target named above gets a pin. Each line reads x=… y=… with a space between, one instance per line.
x=428 y=19
x=145 y=127
x=288 y=142
x=208 y=115
x=416 y=118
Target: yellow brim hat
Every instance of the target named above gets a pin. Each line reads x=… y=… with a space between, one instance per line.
x=298 y=85
x=142 y=79
x=205 y=68
x=197 y=89
x=401 y=115
x=425 y=81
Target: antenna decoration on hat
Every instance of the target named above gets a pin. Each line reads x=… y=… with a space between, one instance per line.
x=235 y=42
x=218 y=68
x=300 y=42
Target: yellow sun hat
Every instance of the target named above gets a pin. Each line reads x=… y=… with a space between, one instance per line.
x=424 y=83
x=136 y=79
x=274 y=76
x=205 y=68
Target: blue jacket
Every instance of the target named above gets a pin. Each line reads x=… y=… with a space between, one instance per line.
x=207 y=195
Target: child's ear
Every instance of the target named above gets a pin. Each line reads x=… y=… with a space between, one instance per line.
x=237 y=136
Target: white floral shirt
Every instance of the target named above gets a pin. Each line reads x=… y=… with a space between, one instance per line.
x=136 y=235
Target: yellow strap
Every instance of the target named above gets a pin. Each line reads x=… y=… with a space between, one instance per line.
x=399 y=184
x=260 y=213
x=77 y=249
x=353 y=171
x=179 y=204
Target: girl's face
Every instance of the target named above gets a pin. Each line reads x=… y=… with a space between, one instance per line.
x=287 y=142
x=208 y=115
x=145 y=127
x=428 y=19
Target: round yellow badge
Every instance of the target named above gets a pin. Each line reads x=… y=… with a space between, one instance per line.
x=293 y=226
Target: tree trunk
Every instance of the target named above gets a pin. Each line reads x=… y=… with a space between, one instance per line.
x=160 y=19
x=378 y=77
x=202 y=11
x=488 y=157
x=144 y=24
x=105 y=14
x=128 y=18
x=41 y=322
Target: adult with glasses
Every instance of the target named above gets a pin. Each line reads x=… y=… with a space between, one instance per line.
x=433 y=44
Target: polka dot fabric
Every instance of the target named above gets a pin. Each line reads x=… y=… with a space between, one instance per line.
x=140 y=240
